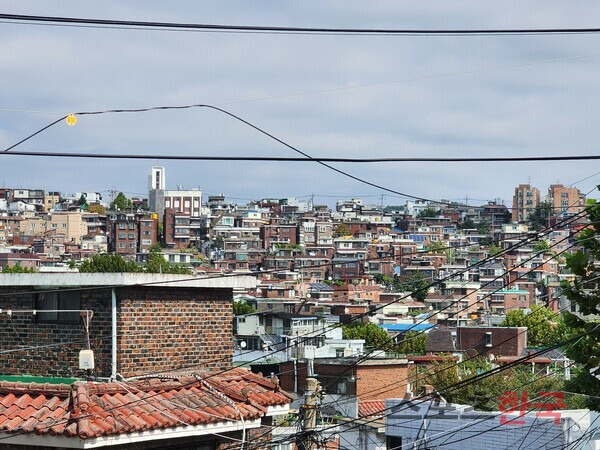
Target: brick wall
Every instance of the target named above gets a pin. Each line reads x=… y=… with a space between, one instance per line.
x=166 y=328
x=505 y=341
x=60 y=357
x=381 y=382
x=158 y=329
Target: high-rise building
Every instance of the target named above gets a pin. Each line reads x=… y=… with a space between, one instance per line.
x=157 y=180
x=525 y=200
x=565 y=199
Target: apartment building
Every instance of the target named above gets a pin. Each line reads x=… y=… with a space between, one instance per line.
x=71 y=224
x=565 y=199
x=525 y=200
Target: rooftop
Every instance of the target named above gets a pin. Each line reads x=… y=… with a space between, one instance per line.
x=143 y=409
x=126 y=279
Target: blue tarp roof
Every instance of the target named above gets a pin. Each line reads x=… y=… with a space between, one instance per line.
x=400 y=327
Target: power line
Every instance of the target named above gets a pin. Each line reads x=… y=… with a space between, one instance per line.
x=554 y=256
x=294 y=159
x=236 y=117
x=462 y=309
x=135 y=24
x=361 y=359
x=487 y=374
x=503 y=368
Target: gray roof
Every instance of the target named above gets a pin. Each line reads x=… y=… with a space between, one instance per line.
x=320 y=287
x=440 y=340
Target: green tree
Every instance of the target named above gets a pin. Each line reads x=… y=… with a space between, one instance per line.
x=341 y=230
x=541 y=246
x=538 y=218
x=17 y=268
x=383 y=279
x=96 y=208
x=467 y=224
x=543 y=327
x=374 y=336
x=584 y=292
x=494 y=250
x=241 y=308
x=486 y=394
x=436 y=246
x=108 y=263
x=413 y=343
x=156 y=263
x=483 y=228
x=82 y=203
x=417 y=285
x=428 y=212
x=121 y=203
x=219 y=242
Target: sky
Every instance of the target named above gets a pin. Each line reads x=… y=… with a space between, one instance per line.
x=346 y=96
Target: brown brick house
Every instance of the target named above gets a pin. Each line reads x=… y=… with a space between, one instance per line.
x=139 y=323
x=367 y=379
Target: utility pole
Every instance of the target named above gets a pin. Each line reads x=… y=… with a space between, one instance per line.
x=308 y=413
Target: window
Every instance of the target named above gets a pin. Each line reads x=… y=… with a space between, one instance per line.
x=131 y=236
x=132 y=245
x=131 y=226
x=64 y=225
x=54 y=302
x=122 y=235
x=488 y=338
x=121 y=244
x=122 y=226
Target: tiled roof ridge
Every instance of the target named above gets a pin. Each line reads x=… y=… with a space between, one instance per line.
x=88 y=409
x=59 y=390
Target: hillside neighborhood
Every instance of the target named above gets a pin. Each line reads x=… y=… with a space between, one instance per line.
x=372 y=301
x=299 y=225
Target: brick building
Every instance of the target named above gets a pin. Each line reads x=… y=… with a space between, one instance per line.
x=565 y=199
x=505 y=341
x=133 y=329
x=176 y=232
x=525 y=200
x=368 y=379
x=131 y=233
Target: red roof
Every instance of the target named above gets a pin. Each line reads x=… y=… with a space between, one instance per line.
x=90 y=409
x=371 y=408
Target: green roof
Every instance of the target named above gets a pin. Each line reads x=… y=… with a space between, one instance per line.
x=32 y=379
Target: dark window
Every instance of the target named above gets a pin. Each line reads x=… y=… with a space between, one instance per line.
x=56 y=302
x=488 y=339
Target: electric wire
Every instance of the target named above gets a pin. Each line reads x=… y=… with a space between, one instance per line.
x=318 y=159
x=504 y=366
x=300 y=30
x=488 y=373
x=555 y=255
x=379 y=390
x=337 y=403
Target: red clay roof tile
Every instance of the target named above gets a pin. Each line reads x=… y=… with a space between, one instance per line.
x=90 y=409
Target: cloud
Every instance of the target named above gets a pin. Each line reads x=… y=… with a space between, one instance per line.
x=445 y=106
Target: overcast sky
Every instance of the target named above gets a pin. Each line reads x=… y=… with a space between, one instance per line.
x=434 y=96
